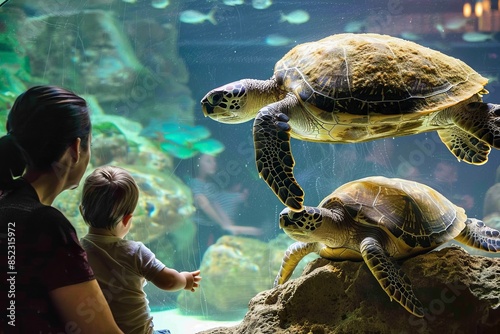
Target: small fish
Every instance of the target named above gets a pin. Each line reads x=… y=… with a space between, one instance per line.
x=410 y=36
x=160 y=4
x=296 y=17
x=442 y=31
x=278 y=40
x=474 y=37
x=261 y=4
x=455 y=23
x=233 y=2
x=196 y=17
x=130 y=1
x=354 y=26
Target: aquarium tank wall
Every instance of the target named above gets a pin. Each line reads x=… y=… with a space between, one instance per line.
x=145 y=65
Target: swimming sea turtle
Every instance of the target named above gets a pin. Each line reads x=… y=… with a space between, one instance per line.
x=351 y=88
x=380 y=220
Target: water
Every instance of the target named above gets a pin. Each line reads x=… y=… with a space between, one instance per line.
x=145 y=67
x=178 y=323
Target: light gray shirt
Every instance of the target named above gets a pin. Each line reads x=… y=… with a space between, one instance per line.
x=122 y=268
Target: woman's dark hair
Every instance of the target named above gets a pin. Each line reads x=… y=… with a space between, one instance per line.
x=43 y=122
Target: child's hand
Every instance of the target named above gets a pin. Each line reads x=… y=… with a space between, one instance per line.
x=193 y=279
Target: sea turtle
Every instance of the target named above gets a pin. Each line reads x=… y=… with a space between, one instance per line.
x=350 y=88
x=380 y=220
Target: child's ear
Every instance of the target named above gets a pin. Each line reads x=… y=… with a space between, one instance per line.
x=126 y=219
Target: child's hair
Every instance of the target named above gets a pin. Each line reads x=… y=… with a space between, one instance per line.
x=43 y=122
x=109 y=193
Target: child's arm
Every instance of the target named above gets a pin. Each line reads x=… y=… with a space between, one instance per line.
x=172 y=280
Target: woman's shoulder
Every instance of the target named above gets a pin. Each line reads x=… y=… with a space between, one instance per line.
x=207 y=188
x=50 y=213
x=53 y=222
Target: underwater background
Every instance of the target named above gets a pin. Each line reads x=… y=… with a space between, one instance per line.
x=144 y=65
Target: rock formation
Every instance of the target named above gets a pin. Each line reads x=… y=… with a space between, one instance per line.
x=460 y=293
x=234 y=270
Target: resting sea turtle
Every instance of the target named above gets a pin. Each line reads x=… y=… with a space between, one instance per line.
x=350 y=88
x=379 y=220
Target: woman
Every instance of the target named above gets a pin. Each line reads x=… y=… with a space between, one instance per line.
x=51 y=287
x=217 y=208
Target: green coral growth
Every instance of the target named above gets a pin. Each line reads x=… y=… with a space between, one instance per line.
x=181 y=140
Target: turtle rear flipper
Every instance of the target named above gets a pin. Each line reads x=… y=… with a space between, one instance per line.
x=392 y=279
x=479 y=125
x=482 y=120
x=274 y=157
x=478 y=235
x=292 y=257
x=465 y=146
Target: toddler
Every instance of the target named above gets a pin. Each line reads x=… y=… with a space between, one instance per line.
x=122 y=267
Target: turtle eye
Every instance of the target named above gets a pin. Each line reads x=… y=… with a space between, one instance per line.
x=216 y=98
x=296 y=215
x=285 y=221
x=240 y=91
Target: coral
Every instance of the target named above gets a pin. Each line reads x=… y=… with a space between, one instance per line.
x=15 y=71
x=116 y=138
x=165 y=205
x=108 y=144
x=234 y=269
x=460 y=294
x=91 y=43
x=163 y=93
x=130 y=63
x=182 y=141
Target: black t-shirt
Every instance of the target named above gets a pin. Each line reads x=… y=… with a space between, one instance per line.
x=39 y=252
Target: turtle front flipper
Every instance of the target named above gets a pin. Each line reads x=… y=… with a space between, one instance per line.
x=274 y=157
x=392 y=279
x=465 y=146
x=480 y=236
x=292 y=257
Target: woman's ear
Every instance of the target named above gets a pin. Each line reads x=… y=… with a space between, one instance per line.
x=75 y=149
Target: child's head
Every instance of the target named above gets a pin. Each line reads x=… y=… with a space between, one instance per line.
x=109 y=194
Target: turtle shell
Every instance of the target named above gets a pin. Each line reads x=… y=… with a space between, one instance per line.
x=411 y=213
x=363 y=74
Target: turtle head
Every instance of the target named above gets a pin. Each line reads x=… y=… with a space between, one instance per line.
x=301 y=225
x=314 y=225
x=239 y=101
x=227 y=104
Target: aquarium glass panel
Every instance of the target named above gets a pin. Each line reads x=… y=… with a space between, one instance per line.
x=225 y=117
